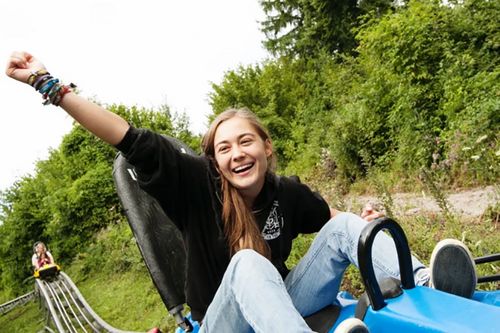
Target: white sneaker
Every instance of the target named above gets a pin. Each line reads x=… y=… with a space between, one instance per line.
x=352 y=325
x=453 y=269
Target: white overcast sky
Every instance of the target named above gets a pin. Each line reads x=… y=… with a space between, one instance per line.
x=135 y=52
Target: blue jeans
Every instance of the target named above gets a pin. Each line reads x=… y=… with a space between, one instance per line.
x=253 y=297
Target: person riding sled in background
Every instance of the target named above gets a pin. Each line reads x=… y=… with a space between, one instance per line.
x=238 y=219
x=41 y=256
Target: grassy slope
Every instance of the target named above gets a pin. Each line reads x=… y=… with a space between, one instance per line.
x=127 y=301
x=26 y=318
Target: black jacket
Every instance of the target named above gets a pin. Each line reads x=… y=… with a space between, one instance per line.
x=188 y=189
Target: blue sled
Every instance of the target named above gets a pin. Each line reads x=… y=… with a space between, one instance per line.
x=420 y=310
x=400 y=306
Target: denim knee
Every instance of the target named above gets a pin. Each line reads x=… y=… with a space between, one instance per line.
x=248 y=262
x=243 y=259
x=344 y=223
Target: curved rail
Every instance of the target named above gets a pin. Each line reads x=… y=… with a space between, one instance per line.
x=67 y=309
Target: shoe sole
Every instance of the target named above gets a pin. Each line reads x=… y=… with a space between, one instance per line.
x=453 y=268
x=352 y=325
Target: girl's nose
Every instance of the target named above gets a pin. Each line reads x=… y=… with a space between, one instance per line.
x=238 y=153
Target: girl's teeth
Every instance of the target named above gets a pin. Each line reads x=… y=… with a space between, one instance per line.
x=243 y=167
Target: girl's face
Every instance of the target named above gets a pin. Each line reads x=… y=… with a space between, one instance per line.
x=40 y=249
x=241 y=156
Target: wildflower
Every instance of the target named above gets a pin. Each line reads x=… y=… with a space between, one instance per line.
x=481 y=138
x=475 y=157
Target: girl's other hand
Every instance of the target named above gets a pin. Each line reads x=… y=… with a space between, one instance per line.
x=369 y=213
x=21 y=65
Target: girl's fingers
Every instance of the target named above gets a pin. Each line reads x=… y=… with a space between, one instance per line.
x=20 y=66
x=374 y=215
x=20 y=60
x=20 y=56
x=15 y=62
x=27 y=56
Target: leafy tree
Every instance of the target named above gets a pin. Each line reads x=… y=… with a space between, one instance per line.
x=303 y=28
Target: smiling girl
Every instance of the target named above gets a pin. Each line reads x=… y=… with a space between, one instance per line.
x=41 y=256
x=239 y=219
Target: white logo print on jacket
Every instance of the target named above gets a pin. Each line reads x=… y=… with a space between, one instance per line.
x=274 y=223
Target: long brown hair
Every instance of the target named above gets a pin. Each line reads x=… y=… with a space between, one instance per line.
x=240 y=227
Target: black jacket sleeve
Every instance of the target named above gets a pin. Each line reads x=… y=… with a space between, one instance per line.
x=163 y=171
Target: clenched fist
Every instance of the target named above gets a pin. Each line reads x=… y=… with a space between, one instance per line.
x=21 y=65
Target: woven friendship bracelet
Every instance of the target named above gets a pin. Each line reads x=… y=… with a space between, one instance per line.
x=51 y=89
x=34 y=75
x=56 y=93
x=62 y=92
x=47 y=85
x=50 y=95
x=40 y=80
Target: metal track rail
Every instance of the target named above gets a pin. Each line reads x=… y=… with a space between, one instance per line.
x=67 y=309
x=21 y=300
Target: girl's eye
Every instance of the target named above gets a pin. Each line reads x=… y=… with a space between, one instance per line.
x=223 y=149
x=246 y=141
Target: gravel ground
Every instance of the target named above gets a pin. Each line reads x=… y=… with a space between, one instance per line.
x=472 y=202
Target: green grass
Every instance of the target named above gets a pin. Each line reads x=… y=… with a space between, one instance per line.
x=26 y=318
x=127 y=301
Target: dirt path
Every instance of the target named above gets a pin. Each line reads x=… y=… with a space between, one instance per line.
x=471 y=202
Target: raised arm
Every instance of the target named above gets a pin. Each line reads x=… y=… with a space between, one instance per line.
x=104 y=124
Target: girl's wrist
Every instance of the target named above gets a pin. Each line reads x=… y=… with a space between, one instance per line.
x=51 y=89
